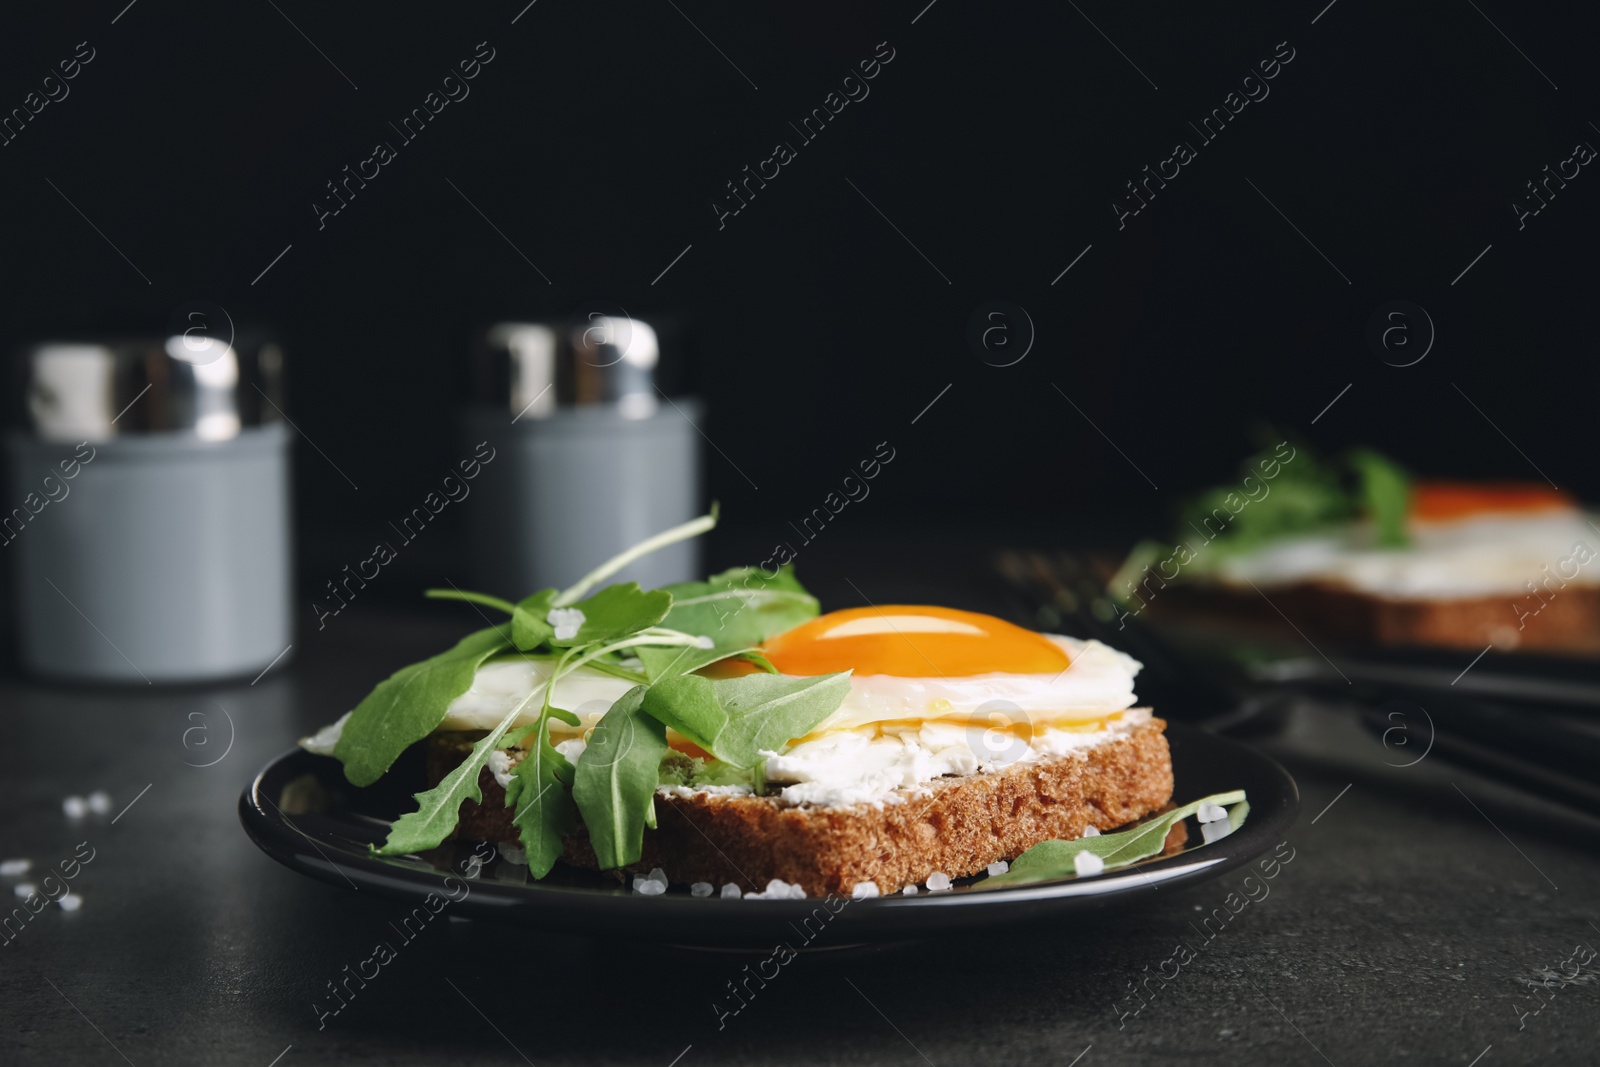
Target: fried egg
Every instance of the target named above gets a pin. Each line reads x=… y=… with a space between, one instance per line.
x=1467 y=541
x=908 y=664
x=913 y=663
x=933 y=692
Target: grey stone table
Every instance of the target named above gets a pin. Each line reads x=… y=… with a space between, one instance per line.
x=1426 y=917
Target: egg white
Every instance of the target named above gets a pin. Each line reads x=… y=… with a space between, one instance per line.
x=1479 y=556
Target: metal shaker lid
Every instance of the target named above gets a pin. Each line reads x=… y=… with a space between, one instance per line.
x=194 y=380
x=615 y=362
x=537 y=368
x=516 y=365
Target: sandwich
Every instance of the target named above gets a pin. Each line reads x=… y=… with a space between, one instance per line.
x=1358 y=552
x=726 y=733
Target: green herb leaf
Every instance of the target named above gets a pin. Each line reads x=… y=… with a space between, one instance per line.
x=611 y=666
x=684 y=770
x=409 y=705
x=766 y=711
x=681 y=532
x=1385 y=494
x=1050 y=860
x=1238 y=814
x=472 y=598
x=662 y=663
x=614 y=783
x=741 y=607
x=544 y=809
x=528 y=626
x=439 y=808
x=1279 y=493
x=616 y=611
x=1283 y=493
x=687 y=704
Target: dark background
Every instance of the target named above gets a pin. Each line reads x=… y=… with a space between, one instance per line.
x=199 y=138
x=197 y=141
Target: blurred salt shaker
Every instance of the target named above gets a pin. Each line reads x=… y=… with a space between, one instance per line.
x=590 y=458
x=147 y=508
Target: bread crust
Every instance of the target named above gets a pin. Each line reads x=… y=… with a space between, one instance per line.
x=958 y=826
x=1568 y=621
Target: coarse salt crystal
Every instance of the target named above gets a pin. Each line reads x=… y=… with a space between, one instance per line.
x=1215 y=831
x=649 y=888
x=701 y=889
x=567 y=621
x=910 y=890
x=998 y=867
x=797 y=892
x=70 y=902
x=777 y=889
x=938 y=881
x=512 y=853
x=1091 y=831
x=864 y=891
x=657 y=875
x=1087 y=862
x=1210 y=812
x=24 y=889
x=100 y=802
x=731 y=892
x=12 y=868
x=75 y=807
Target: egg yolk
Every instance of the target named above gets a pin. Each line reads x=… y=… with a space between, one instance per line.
x=913 y=642
x=1443 y=501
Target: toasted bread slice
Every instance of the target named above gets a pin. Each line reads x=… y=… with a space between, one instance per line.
x=957 y=825
x=1568 y=621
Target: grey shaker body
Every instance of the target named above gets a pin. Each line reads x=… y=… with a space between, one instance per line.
x=568 y=491
x=167 y=558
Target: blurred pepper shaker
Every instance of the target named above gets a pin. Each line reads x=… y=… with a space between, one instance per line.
x=149 y=539
x=587 y=461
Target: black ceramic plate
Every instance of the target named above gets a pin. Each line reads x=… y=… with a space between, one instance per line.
x=302 y=812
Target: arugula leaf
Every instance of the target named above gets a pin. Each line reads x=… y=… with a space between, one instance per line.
x=1302 y=495
x=680 y=768
x=1238 y=814
x=681 y=532
x=1050 y=860
x=688 y=704
x=662 y=663
x=409 y=705
x=439 y=808
x=1386 y=494
x=614 y=783
x=471 y=598
x=544 y=809
x=740 y=607
x=1305 y=495
x=766 y=711
x=611 y=665
x=616 y=611
x=528 y=626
